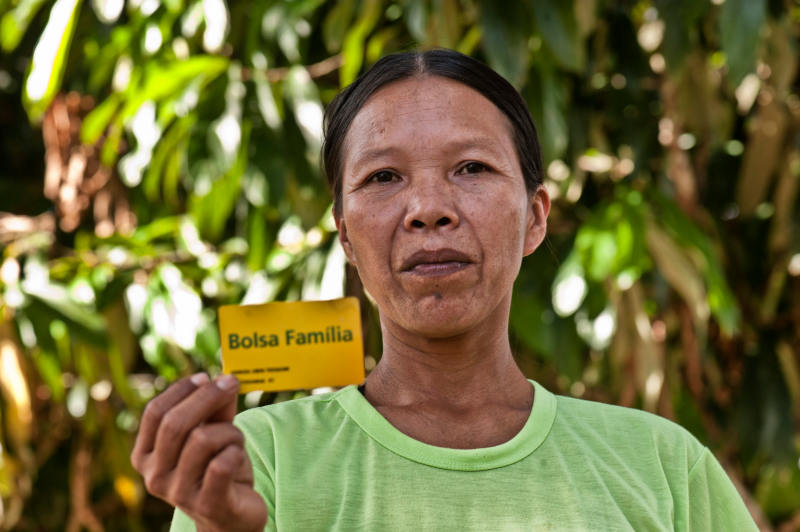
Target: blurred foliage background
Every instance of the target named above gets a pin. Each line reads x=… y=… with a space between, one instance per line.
x=159 y=158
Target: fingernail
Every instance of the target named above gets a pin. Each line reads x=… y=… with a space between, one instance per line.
x=226 y=382
x=199 y=378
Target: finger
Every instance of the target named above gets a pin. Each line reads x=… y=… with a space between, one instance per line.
x=155 y=411
x=198 y=407
x=202 y=445
x=228 y=412
x=245 y=473
x=219 y=477
x=223 y=497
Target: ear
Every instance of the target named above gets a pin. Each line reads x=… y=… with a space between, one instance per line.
x=343 y=237
x=536 y=226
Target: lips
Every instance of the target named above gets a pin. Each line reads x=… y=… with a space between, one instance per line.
x=440 y=261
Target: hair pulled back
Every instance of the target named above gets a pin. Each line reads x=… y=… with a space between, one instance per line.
x=447 y=64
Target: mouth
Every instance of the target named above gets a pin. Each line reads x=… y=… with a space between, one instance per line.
x=436 y=262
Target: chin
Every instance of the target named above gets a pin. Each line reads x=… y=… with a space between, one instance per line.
x=441 y=318
x=437 y=331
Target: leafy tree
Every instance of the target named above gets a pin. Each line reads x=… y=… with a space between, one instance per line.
x=161 y=157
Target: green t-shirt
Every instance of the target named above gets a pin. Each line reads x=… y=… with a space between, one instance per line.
x=332 y=462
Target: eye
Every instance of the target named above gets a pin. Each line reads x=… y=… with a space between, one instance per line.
x=473 y=168
x=382 y=176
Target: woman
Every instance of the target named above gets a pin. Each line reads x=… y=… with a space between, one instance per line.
x=435 y=170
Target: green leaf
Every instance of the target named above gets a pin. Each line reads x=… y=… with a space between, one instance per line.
x=680 y=36
x=470 y=40
x=336 y=23
x=163 y=80
x=377 y=44
x=506 y=30
x=569 y=285
x=110 y=150
x=721 y=301
x=257 y=238
x=50 y=370
x=546 y=95
x=172 y=172
x=778 y=489
x=212 y=210
x=416 y=17
x=50 y=302
x=108 y=57
x=267 y=105
x=740 y=24
x=609 y=245
x=174 y=6
x=528 y=324
x=536 y=326
x=96 y=122
x=555 y=20
x=675 y=265
x=302 y=8
x=353 y=48
x=15 y=22
x=158 y=171
x=158 y=228
x=446 y=24
x=47 y=66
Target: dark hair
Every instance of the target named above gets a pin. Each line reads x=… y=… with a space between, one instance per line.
x=445 y=63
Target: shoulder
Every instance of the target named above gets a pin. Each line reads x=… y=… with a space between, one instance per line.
x=297 y=413
x=636 y=432
x=293 y=428
x=603 y=416
x=651 y=455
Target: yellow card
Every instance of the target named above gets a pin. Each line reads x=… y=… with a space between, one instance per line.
x=291 y=346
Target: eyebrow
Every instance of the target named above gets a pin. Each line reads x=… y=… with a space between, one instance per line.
x=482 y=143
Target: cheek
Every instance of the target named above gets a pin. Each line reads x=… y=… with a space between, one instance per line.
x=369 y=233
x=500 y=218
x=502 y=234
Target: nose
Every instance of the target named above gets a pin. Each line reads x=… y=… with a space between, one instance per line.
x=430 y=206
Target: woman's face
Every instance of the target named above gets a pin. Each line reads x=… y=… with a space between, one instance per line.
x=435 y=213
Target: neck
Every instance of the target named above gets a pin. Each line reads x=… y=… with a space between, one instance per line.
x=465 y=371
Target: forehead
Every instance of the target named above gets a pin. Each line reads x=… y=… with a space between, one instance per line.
x=423 y=112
